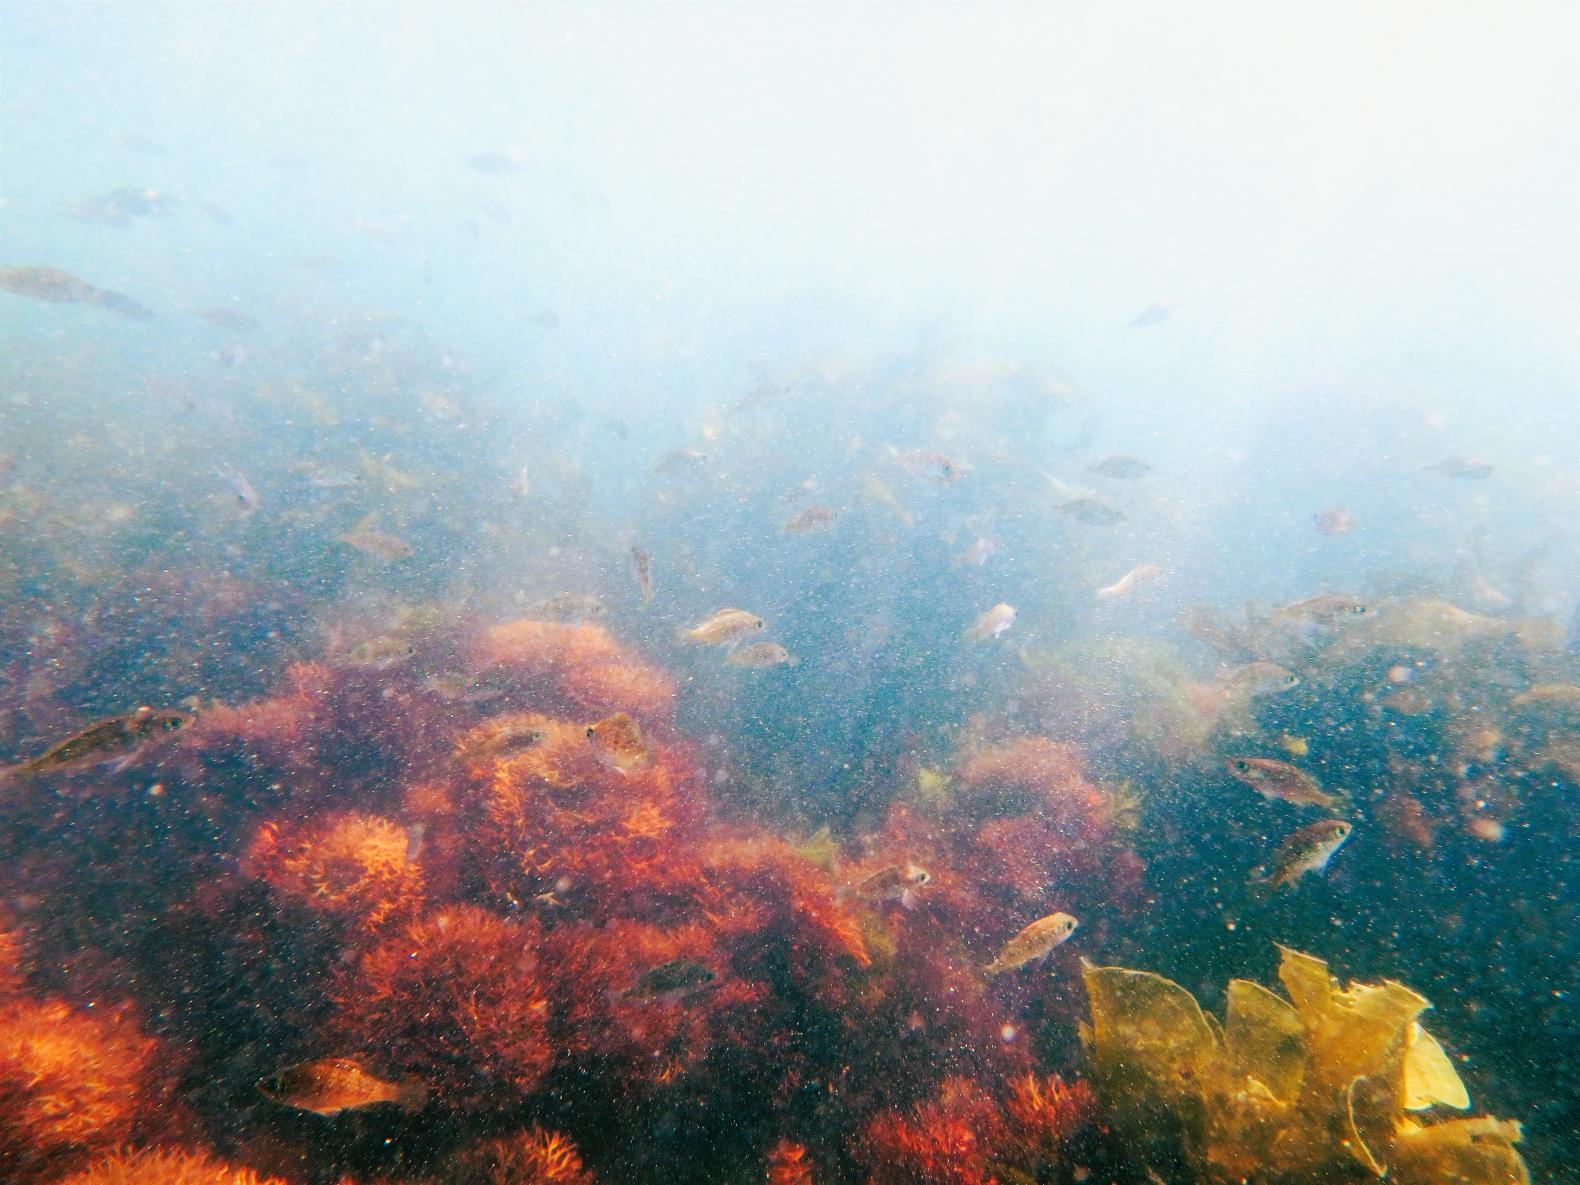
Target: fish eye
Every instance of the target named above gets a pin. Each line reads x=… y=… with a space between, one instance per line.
x=1242 y=765
x=592 y=731
x=173 y=723
x=1291 y=680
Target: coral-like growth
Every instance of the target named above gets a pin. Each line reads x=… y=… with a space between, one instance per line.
x=788 y=1165
x=586 y=668
x=948 y=1141
x=1321 y=1086
x=351 y=866
x=529 y=1157
x=456 y=999
x=71 y=1084
x=165 y=1166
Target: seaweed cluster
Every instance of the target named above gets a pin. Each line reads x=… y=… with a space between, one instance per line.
x=434 y=868
x=1331 y=1084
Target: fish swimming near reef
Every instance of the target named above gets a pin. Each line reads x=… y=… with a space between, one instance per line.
x=1120 y=467
x=617 y=740
x=1334 y=521
x=669 y=982
x=1036 y=941
x=1325 y=609
x=1306 y=850
x=680 y=460
x=1280 y=780
x=1129 y=582
x=896 y=882
x=642 y=572
x=567 y=607
x=978 y=553
x=812 y=519
x=380 y=654
x=724 y=628
x=929 y=464
x=1259 y=678
x=760 y=655
x=1092 y=511
x=991 y=624
x=381 y=545
x=331 y=1085
x=1461 y=468
x=116 y=737
x=57 y=287
x=246 y=496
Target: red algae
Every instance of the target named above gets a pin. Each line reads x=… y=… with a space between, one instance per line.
x=352 y=866
x=787 y=1165
x=529 y=1157
x=72 y=1083
x=165 y=1166
x=456 y=999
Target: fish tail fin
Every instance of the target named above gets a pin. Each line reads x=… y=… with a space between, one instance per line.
x=412 y=1095
x=908 y=899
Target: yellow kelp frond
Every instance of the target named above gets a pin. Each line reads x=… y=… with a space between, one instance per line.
x=1288 y=1092
x=1429 y=1077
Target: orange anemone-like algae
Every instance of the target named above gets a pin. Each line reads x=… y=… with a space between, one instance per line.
x=456 y=999
x=352 y=866
x=529 y=1157
x=788 y=1165
x=585 y=668
x=71 y=1084
x=165 y=1166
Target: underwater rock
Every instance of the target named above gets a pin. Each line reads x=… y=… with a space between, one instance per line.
x=1319 y=1086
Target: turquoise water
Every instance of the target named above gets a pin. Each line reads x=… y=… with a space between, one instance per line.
x=339 y=338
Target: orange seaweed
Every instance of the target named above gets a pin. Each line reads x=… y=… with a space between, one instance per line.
x=165 y=1166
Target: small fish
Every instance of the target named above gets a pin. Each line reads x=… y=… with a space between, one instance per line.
x=327 y=477
x=222 y=318
x=642 y=569
x=521 y=487
x=246 y=496
x=760 y=655
x=1092 y=511
x=813 y=518
x=1280 y=780
x=1128 y=582
x=896 y=882
x=670 y=981
x=567 y=607
x=992 y=624
x=1461 y=468
x=978 y=553
x=1306 y=850
x=380 y=654
x=1259 y=678
x=1326 y=609
x=1156 y=312
x=57 y=287
x=381 y=545
x=680 y=460
x=1036 y=941
x=617 y=740
x=1334 y=521
x=1121 y=467
x=931 y=465
x=496 y=164
x=726 y=627
x=331 y=1085
x=118 y=736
